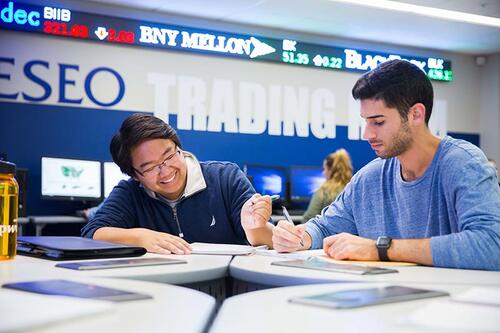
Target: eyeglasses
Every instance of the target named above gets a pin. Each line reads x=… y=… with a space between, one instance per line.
x=149 y=172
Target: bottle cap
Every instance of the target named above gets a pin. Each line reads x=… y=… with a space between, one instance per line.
x=7 y=167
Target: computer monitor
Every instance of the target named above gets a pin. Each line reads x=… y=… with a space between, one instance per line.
x=304 y=181
x=70 y=179
x=267 y=179
x=112 y=176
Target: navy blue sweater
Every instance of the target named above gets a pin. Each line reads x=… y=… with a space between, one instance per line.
x=129 y=206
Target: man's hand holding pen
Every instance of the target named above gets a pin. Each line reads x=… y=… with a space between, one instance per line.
x=290 y=238
x=289 y=220
x=256 y=212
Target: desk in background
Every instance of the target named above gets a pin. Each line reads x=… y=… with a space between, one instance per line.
x=297 y=219
x=21 y=222
x=41 y=221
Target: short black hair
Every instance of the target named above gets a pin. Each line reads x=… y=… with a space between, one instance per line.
x=399 y=84
x=134 y=130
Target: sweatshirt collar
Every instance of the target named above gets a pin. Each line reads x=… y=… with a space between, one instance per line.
x=195 y=180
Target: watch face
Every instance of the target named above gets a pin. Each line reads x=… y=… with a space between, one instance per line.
x=383 y=241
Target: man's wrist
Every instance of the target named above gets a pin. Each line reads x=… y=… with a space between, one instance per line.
x=307 y=241
x=253 y=228
x=374 y=251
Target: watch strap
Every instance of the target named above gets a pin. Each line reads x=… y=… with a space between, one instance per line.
x=383 y=244
x=382 y=253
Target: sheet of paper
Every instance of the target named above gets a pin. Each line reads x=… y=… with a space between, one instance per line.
x=20 y=310
x=294 y=255
x=222 y=249
x=484 y=296
x=454 y=316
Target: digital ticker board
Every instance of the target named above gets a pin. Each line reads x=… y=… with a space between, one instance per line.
x=67 y=23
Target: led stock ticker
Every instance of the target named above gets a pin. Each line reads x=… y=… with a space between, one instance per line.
x=111 y=35
x=62 y=22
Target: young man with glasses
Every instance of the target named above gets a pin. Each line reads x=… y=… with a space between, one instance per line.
x=171 y=199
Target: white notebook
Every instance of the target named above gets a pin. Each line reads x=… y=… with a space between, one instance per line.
x=22 y=311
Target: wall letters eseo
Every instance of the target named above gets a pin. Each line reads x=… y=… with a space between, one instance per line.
x=37 y=72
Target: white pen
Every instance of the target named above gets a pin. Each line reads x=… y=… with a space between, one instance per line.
x=289 y=219
x=274 y=197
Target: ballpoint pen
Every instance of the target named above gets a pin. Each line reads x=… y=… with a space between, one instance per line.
x=274 y=197
x=289 y=219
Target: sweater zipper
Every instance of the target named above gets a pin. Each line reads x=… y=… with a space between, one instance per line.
x=181 y=234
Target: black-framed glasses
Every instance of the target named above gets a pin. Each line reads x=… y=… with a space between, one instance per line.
x=168 y=161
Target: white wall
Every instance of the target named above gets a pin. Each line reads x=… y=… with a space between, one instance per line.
x=490 y=107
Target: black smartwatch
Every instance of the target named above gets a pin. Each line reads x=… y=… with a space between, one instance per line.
x=383 y=244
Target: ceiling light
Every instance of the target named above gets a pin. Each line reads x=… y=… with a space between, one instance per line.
x=427 y=11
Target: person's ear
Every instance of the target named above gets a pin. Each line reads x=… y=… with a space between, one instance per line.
x=417 y=114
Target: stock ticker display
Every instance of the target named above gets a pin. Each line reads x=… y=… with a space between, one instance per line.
x=65 y=23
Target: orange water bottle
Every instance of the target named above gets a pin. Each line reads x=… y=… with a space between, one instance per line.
x=9 y=191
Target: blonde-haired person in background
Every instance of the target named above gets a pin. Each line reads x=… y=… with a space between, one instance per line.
x=337 y=169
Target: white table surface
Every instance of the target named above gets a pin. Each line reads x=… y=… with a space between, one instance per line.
x=258 y=269
x=170 y=310
x=269 y=311
x=199 y=268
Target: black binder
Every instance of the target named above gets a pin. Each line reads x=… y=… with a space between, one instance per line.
x=74 y=248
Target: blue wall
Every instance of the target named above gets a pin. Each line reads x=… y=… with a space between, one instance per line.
x=30 y=131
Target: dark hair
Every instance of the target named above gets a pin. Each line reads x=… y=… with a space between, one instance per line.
x=399 y=84
x=134 y=130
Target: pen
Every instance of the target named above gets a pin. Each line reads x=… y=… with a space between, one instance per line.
x=289 y=219
x=274 y=197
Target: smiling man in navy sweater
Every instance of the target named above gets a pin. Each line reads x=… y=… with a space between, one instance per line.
x=171 y=199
